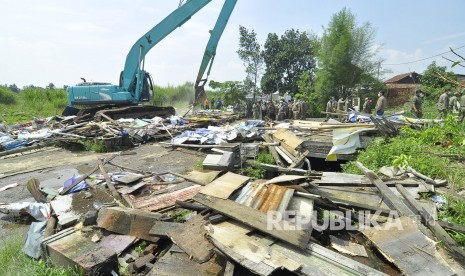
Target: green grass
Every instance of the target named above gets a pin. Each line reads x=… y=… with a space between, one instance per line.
x=454 y=212
x=30 y=103
x=14 y=262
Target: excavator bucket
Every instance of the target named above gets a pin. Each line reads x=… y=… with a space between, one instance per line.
x=200 y=94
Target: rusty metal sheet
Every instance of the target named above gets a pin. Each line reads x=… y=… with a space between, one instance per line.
x=154 y=203
x=265 y=197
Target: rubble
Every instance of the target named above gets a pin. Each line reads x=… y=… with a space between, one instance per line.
x=214 y=220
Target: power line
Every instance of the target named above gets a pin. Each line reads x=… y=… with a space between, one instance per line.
x=403 y=63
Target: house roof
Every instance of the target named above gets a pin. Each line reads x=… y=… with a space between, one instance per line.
x=400 y=85
x=400 y=77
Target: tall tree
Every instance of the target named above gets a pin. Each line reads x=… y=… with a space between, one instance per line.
x=230 y=91
x=286 y=58
x=346 y=56
x=435 y=78
x=250 y=53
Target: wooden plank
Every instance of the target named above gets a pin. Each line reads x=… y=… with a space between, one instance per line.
x=272 y=150
x=176 y=262
x=347 y=247
x=289 y=141
x=255 y=219
x=299 y=159
x=154 y=203
x=193 y=180
x=229 y=269
x=389 y=197
x=225 y=185
x=110 y=185
x=456 y=251
x=411 y=251
x=262 y=257
x=162 y=228
x=451 y=226
x=130 y=189
x=247 y=251
x=190 y=237
x=284 y=155
x=285 y=178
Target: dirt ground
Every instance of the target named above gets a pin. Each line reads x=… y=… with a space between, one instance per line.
x=52 y=166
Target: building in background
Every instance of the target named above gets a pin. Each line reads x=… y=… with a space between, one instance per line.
x=401 y=88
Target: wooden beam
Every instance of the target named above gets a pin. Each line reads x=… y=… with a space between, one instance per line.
x=299 y=159
x=456 y=251
x=388 y=196
x=255 y=219
x=272 y=150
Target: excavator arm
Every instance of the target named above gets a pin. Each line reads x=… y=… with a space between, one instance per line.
x=210 y=50
x=132 y=76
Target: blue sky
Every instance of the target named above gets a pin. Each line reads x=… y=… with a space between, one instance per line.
x=60 y=41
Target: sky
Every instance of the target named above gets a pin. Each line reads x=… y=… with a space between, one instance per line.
x=51 y=41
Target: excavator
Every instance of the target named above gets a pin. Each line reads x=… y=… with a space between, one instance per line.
x=135 y=84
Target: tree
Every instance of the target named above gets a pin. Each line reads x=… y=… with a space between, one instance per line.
x=346 y=59
x=14 y=88
x=50 y=86
x=230 y=91
x=250 y=53
x=286 y=58
x=435 y=78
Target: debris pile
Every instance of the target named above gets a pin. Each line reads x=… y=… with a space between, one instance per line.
x=209 y=222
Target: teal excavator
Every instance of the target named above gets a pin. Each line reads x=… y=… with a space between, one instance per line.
x=135 y=84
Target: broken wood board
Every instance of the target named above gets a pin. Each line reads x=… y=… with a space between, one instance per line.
x=190 y=237
x=263 y=257
x=4 y=188
x=255 y=219
x=346 y=179
x=117 y=243
x=128 y=179
x=248 y=251
x=204 y=176
x=299 y=159
x=285 y=178
x=154 y=203
x=288 y=140
x=347 y=247
x=128 y=221
x=287 y=157
x=130 y=189
x=225 y=185
x=272 y=150
x=402 y=243
x=162 y=228
x=392 y=200
x=175 y=262
x=265 y=197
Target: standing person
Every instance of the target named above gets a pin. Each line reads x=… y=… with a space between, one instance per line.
x=272 y=111
x=443 y=104
x=381 y=104
x=330 y=108
x=264 y=109
x=367 y=106
x=281 y=111
x=256 y=110
x=462 y=107
x=296 y=109
x=417 y=103
x=207 y=104
x=453 y=102
x=212 y=104
x=219 y=104
x=303 y=109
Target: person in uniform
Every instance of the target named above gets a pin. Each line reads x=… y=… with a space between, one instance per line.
x=367 y=106
x=417 y=103
x=330 y=108
x=461 y=106
x=443 y=104
x=453 y=102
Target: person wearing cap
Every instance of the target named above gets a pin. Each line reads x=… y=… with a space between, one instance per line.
x=417 y=103
x=381 y=104
x=443 y=104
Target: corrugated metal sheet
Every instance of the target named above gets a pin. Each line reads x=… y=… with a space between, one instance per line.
x=265 y=197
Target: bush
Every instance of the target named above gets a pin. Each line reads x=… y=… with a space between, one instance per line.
x=7 y=96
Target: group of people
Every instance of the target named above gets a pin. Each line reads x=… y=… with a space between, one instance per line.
x=451 y=103
x=276 y=110
x=343 y=105
x=212 y=104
